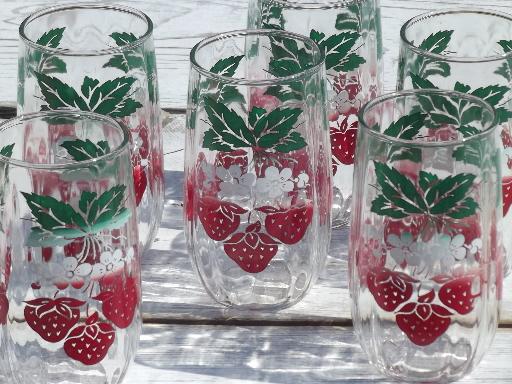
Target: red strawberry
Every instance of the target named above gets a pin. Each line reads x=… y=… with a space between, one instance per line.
x=76 y=247
x=457 y=294
x=251 y=250
x=389 y=288
x=120 y=301
x=143 y=135
x=219 y=218
x=506 y=138
x=227 y=159
x=423 y=322
x=4 y=305
x=53 y=318
x=140 y=182
x=343 y=142
x=288 y=225
x=507 y=194
x=90 y=343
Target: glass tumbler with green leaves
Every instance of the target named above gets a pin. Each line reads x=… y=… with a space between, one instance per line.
x=69 y=250
x=425 y=250
x=99 y=58
x=257 y=169
x=349 y=33
x=443 y=49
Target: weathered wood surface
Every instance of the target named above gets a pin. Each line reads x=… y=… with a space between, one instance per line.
x=182 y=23
x=275 y=355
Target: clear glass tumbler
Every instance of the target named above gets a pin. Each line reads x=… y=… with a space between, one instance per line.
x=69 y=251
x=444 y=50
x=349 y=33
x=425 y=246
x=100 y=58
x=258 y=170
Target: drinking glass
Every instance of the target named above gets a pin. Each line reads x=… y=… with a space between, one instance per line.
x=425 y=247
x=349 y=33
x=69 y=250
x=100 y=58
x=444 y=50
x=257 y=168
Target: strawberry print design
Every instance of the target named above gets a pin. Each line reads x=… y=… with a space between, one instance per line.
x=506 y=139
x=343 y=142
x=89 y=343
x=457 y=295
x=140 y=183
x=120 y=301
x=52 y=319
x=390 y=289
x=423 y=322
x=219 y=218
x=251 y=250
x=507 y=194
x=4 y=305
x=288 y=225
x=237 y=157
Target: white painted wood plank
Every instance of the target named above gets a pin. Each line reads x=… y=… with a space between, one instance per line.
x=174 y=354
x=182 y=23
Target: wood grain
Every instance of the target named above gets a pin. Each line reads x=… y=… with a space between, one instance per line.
x=175 y=354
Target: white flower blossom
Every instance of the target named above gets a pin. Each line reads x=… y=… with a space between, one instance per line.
x=302 y=180
x=476 y=246
x=275 y=183
x=404 y=248
x=110 y=262
x=70 y=272
x=234 y=183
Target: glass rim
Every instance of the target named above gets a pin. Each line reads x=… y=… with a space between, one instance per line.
x=11 y=123
x=328 y=4
x=492 y=126
x=455 y=59
x=90 y=6
x=249 y=82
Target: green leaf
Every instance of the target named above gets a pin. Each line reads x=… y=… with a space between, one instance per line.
x=88 y=85
x=450 y=196
x=493 y=94
x=229 y=129
x=399 y=197
x=58 y=94
x=503 y=115
x=338 y=49
x=40 y=238
x=52 y=214
x=7 y=150
x=287 y=59
x=407 y=127
x=292 y=142
x=53 y=64
x=440 y=68
x=230 y=94
x=427 y=180
x=468 y=130
x=107 y=206
x=228 y=66
x=460 y=87
x=116 y=222
x=52 y=38
x=257 y=120
x=123 y=38
x=272 y=16
x=398 y=153
x=125 y=62
x=437 y=42
x=86 y=200
x=113 y=98
x=506 y=45
x=347 y=22
x=275 y=126
x=419 y=82
x=288 y=92
x=81 y=150
x=504 y=70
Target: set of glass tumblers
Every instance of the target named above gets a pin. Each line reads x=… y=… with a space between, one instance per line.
x=288 y=136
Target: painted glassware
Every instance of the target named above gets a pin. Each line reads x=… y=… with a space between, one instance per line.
x=425 y=247
x=69 y=251
x=257 y=169
x=438 y=50
x=349 y=34
x=100 y=58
